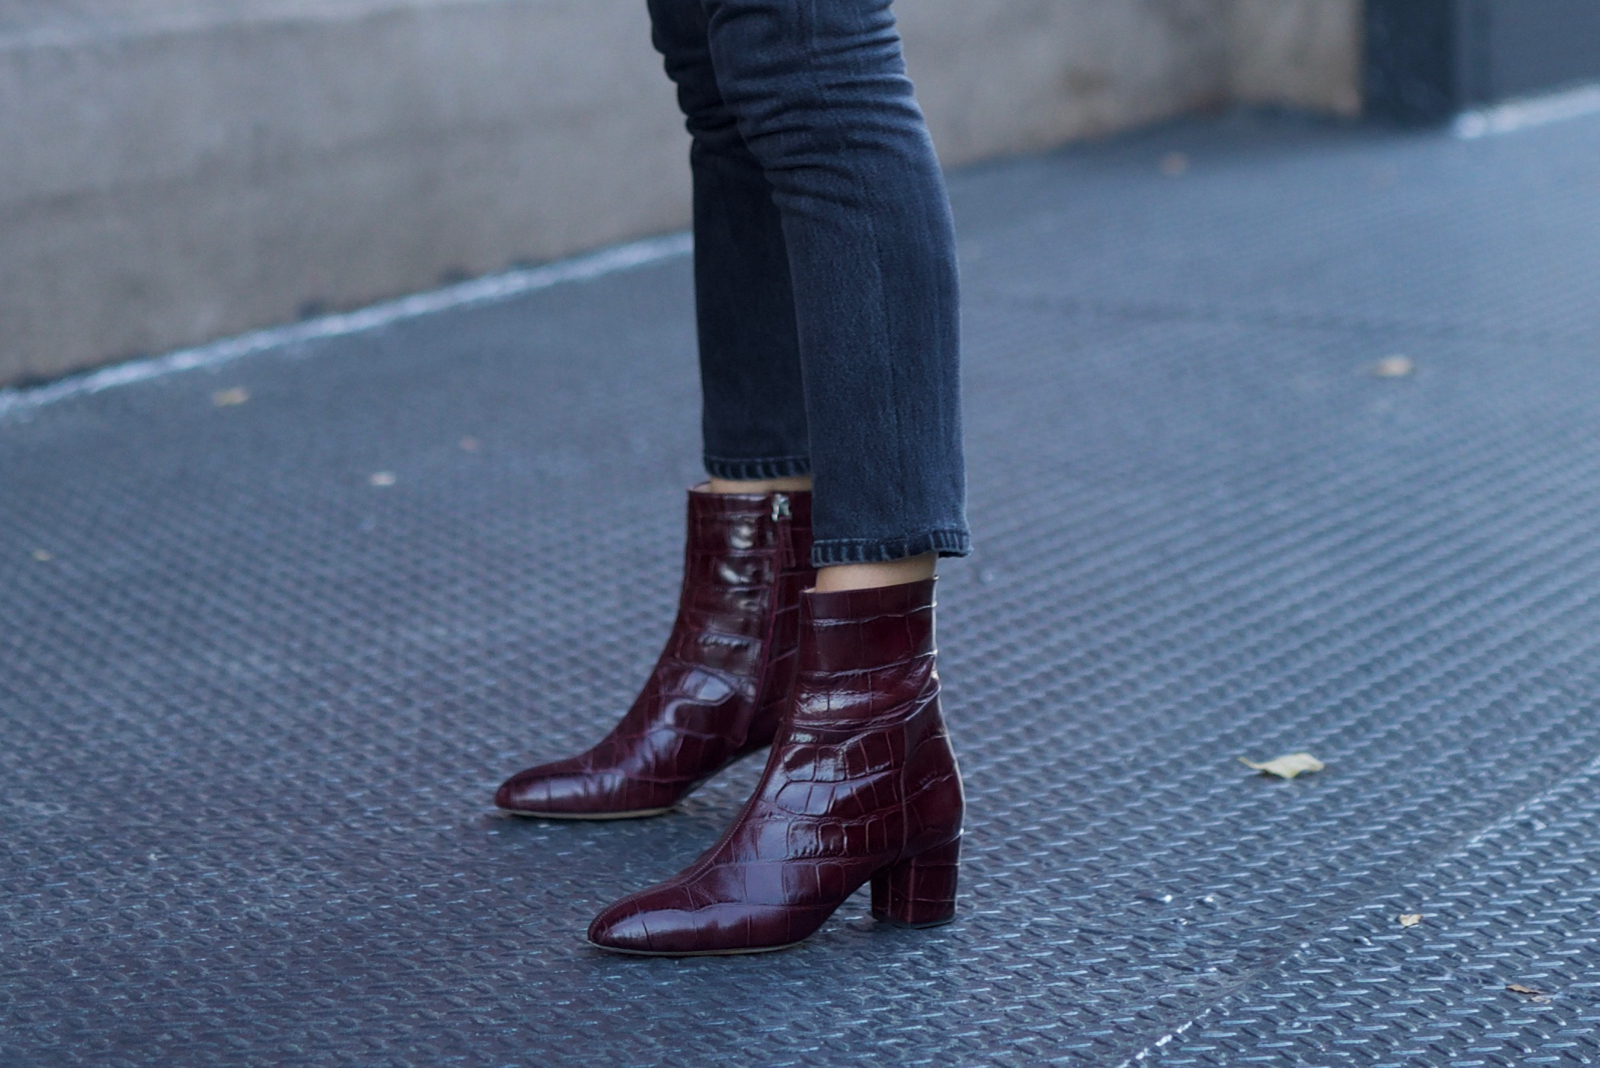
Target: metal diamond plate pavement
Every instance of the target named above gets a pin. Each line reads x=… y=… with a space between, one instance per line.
x=252 y=704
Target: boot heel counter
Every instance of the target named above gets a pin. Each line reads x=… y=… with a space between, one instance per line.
x=935 y=799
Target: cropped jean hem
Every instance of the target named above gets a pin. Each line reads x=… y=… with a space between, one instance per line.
x=946 y=541
x=754 y=470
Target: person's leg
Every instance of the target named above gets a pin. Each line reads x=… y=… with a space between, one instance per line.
x=821 y=99
x=753 y=415
x=880 y=353
x=861 y=784
x=724 y=679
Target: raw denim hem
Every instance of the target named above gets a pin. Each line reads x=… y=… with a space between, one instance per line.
x=754 y=470
x=950 y=541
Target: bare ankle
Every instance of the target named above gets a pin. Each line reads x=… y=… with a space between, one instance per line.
x=797 y=484
x=865 y=576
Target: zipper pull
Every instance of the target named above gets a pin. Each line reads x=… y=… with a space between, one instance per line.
x=784 y=535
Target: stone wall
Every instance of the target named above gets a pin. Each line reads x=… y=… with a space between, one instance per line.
x=178 y=170
x=1296 y=53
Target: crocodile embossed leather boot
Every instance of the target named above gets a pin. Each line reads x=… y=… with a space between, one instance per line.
x=860 y=785
x=722 y=683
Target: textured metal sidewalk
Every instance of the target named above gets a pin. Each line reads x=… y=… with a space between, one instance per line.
x=252 y=705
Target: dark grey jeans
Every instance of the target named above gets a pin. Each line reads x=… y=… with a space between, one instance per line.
x=824 y=268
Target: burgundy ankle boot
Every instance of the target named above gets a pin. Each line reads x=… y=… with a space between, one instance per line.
x=722 y=682
x=860 y=785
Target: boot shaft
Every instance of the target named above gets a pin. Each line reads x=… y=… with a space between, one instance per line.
x=880 y=640
x=865 y=736
x=746 y=558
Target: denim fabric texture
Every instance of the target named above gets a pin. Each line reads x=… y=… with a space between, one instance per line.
x=825 y=270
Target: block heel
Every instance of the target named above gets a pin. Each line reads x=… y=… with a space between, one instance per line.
x=919 y=891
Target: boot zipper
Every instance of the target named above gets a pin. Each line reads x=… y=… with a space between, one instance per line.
x=784 y=542
x=783 y=531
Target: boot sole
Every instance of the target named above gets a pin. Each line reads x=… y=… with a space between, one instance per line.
x=693 y=952
x=759 y=949
x=911 y=926
x=638 y=813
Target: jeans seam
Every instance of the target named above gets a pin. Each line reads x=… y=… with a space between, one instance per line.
x=946 y=541
x=796 y=457
x=757 y=467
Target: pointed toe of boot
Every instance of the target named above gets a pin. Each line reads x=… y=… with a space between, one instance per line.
x=555 y=791
x=522 y=792
x=623 y=930
x=677 y=932
x=678 y=919
x=656 y=922
x=533 y=790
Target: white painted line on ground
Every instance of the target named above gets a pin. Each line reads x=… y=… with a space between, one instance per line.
x=485 y=290
x=1516 y=115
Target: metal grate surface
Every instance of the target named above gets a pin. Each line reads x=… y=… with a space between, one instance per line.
x=252 y=706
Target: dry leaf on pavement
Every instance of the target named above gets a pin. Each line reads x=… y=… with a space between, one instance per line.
x=1286 y=767
x=1410 y=919
x=1528 y=991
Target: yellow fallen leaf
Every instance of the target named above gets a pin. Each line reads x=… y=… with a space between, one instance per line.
x=381 y=478
x=1410 y=919
x=223 y=398
x=44 y=556
x=1286 y=767
x=1393 y=367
